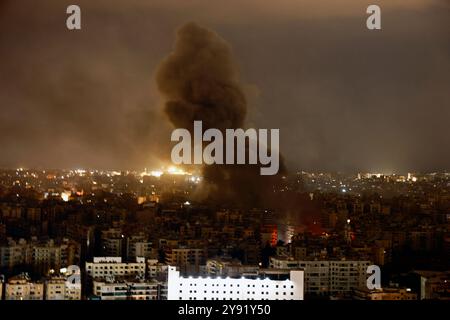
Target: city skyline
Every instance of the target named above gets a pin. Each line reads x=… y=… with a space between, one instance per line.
x=147 y=236
x=241 y=150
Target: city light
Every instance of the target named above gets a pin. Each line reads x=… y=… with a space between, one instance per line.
x=65 y=195
x=176 y=171
x=156 y=173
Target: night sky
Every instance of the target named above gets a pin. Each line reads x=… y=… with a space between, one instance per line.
x=344 y=97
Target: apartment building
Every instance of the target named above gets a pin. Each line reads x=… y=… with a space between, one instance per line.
x=188 y=260
x=102 y=267
x=217 y=288
x=126 y=290
x=22 y=288
x=327 y=277
x=59 y=288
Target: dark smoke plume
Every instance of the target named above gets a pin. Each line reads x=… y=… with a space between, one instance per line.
x=199 y=81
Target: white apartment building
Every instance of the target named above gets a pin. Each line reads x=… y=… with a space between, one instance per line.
x=348 y=275
x=102 y=267
x=126 y=290
x=57 y=288
x=22 y=288
x=214 y=288
x=325 y=277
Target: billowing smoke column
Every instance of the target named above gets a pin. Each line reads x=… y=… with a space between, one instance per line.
x=199 y=81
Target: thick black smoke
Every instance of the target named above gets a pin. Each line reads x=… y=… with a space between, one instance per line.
x=199 y=81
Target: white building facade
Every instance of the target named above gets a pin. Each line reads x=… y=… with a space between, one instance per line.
x=22 y=288
x=57 y=288
x=103 y=267
x=209 y=288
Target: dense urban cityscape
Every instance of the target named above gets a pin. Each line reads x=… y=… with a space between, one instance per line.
x=224 y=159
x=109 y=235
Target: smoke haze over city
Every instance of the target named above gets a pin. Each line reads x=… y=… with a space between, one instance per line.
x=343 y=98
